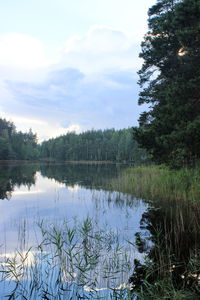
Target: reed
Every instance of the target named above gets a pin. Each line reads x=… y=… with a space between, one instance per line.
x=171 y=270
x=72 y=261
x=160 y=182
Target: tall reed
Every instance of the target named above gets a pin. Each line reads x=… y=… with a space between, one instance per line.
x=160 y=182
x=72 y=261
x=171 y=270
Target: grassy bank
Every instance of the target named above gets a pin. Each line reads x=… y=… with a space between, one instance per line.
x=160 y=182
x=172 y=266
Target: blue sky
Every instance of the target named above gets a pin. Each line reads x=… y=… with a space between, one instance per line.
x=70 y=65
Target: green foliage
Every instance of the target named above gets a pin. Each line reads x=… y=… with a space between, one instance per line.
x=164 y=289
x=17 y=145
x=161 y=183
x=171 y=268
x=94 y=145
x=170 y=78
x=107 y=145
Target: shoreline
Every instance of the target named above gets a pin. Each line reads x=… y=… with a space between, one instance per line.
x=64 y=161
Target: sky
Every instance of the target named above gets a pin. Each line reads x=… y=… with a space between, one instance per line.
x=70 y=65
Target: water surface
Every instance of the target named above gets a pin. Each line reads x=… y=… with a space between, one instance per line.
x=57 y=193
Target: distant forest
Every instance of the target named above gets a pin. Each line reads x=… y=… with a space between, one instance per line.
x=94 y=145
x=17 y=145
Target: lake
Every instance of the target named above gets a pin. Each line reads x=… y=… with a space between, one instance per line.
x=41 y=202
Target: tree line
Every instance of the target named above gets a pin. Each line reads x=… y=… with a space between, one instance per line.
x=92 y=145
x=95 y=145
x=16 y=145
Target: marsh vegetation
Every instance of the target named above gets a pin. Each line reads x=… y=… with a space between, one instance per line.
x=172 y=266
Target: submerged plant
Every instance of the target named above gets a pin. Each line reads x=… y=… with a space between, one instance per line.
x=72 y=260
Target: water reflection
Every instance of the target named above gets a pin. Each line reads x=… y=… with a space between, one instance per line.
x=167 y=232
x=71 y=175
x=85 y=175
x=174 y=228
x=12 y=176
x=57 y=192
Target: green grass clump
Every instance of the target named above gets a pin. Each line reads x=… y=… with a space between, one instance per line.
x=175 y=282
x=164 y=289
x=160 y=182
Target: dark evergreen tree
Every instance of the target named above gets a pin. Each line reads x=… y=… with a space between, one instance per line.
x=170 y=78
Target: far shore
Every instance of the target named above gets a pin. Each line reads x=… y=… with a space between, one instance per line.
x=61 y=162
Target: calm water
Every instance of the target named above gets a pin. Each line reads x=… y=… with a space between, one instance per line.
x=54 y=193
x=128 y=228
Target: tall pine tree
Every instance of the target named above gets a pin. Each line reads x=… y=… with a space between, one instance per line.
x=170 y=78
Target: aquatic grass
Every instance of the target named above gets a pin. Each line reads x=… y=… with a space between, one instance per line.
x=171 y=268
x=174 y=195
x=72 y=261
x=160 y=182
x=160 y=278
x=164 y=289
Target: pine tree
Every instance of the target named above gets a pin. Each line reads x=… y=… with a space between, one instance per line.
x=170 y=78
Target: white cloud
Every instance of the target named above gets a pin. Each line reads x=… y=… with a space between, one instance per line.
x=93 y=85
x=99 y=39
x=100 y=49
x=55 y=130
x=44 y=128
x=22 y=51
x=77 y=102
x=22 y=120
x=74 y=128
